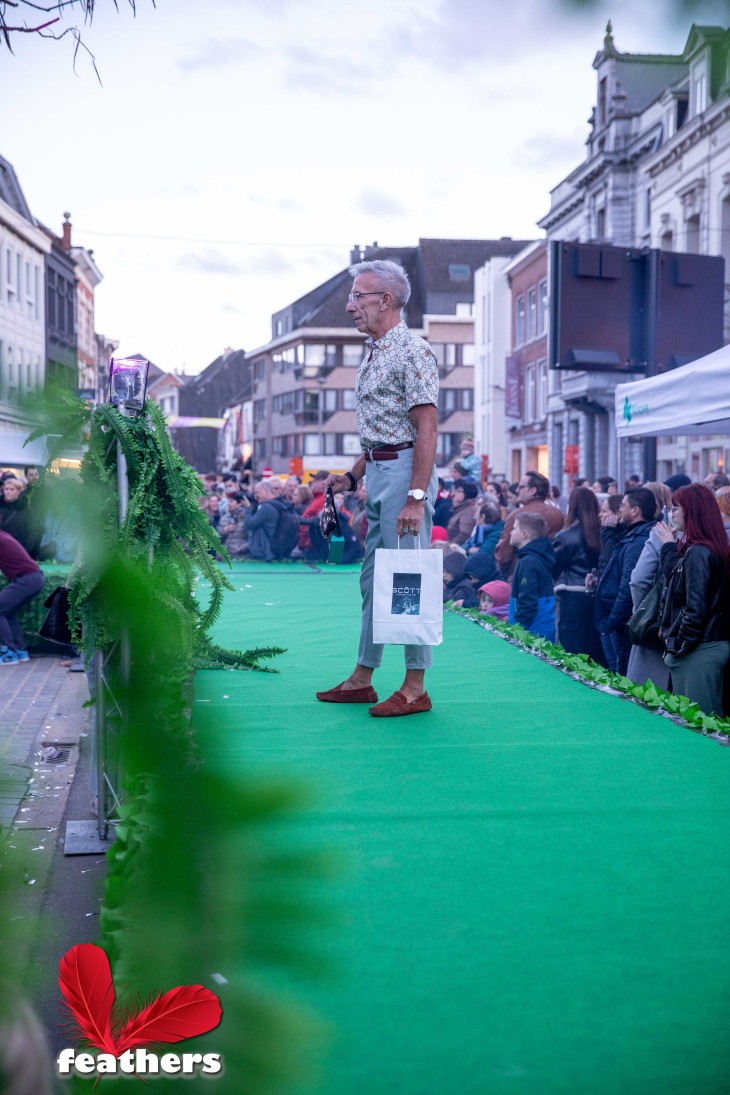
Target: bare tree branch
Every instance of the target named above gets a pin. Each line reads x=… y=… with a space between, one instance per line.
x=87 y=7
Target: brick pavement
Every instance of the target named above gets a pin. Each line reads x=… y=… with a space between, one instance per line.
x=41 y=703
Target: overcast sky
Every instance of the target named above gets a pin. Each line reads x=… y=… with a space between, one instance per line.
x=237 y=149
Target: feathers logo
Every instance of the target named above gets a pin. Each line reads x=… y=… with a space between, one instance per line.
x=85 y=980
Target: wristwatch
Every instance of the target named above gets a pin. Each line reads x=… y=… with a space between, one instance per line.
x=417 y=494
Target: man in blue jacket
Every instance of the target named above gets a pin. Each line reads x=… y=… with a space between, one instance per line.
x=613 y=592
x=532 y=603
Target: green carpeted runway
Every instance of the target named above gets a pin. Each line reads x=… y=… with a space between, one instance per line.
x=533 y=876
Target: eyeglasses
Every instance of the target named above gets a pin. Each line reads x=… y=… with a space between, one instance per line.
x=354 y=297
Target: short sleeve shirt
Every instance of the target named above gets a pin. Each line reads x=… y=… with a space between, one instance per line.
x=402 y=373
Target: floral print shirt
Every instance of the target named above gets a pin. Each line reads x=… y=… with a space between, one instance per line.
x=400 y=371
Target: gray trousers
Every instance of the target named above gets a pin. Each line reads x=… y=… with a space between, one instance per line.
x=387 y=486
x=698 y=675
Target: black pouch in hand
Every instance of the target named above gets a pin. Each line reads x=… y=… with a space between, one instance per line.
x=329 y=521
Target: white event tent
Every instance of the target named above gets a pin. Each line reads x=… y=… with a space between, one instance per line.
x=693 y=399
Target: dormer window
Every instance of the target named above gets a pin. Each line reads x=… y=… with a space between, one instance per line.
x=602 y=100
x=698 y=90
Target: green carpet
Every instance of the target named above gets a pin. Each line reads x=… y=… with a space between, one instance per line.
x=533 y=875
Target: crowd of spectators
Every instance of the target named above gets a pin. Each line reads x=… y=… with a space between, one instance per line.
x=570 y=570
x=275 y=519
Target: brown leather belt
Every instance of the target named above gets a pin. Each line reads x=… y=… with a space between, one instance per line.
x=386 y=452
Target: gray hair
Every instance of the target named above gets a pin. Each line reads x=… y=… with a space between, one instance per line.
x=391 y=276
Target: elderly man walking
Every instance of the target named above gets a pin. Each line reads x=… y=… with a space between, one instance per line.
x=396 y=395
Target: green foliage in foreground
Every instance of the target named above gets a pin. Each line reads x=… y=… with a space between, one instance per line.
x=204 y=886
x=583 y=668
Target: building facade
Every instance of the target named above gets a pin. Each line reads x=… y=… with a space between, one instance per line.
x=657 y=152
x=23 y=251
x=61 y=349
x=88 y=277
x=496 y=410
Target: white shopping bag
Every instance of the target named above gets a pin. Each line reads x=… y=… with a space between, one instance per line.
x=408 y=596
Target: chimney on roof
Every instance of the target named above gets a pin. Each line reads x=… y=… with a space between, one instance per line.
x=66 y=241
x=355 y=255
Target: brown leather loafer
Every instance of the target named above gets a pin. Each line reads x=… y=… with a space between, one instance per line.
x=398 y=704
x=340 y=694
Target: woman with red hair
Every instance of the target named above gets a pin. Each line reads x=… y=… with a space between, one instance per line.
x=695 y=624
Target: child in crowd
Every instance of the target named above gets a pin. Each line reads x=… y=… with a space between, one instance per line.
x=494 y=599
x=532 y=604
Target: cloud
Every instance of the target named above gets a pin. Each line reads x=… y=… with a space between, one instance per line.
x=309 y=70
x=218 y=53
x=546 y=150
x=282 y=205
x=379 y=204
x=466 y=32
x=211 y=262
x=270 y=260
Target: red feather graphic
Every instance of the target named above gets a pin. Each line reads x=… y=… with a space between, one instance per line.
x=181 y=1013
x=85 y=979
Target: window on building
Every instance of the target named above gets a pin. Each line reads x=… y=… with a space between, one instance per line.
x=330 y=444
x=259 y=411
x=37 y=293
x=448 y=446
x=28 y=287
x=259 y=448
x=467 y=399
x=445 y=353
x=447 y=400
x=464 y=308
x=468 y=353
x=647 y=208
x=351 y=444
x=601 y=224
x=259 y=369
x=312 y=444
x=699 y=87
x=12 y=381
x=51 y=304
x=528 y=404
x=18 y=278
x=693 y=234
x=348 y=399
x=603 y=101
x=542 y=389
x=531 y=313
x=352 y=355
x=542 y=306
x=9 y=286
x=459 y=271
x=519 y=320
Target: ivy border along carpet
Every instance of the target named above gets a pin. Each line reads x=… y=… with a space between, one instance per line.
x=533 y=877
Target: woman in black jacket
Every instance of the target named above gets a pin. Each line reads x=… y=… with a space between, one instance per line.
x=16 y=517
x=695 y=623
x=577 y=547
